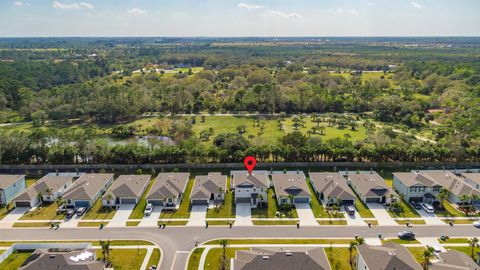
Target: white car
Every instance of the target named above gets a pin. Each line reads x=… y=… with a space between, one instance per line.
x=428 y=208
x=476 y=224
x=148 y=210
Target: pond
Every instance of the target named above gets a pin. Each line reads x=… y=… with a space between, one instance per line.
x=145 y=140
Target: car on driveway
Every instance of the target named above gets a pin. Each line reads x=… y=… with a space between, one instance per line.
x=148 y=210
x=70 y=213
x=428 y=208
x=406 y=235
x=476 y=224
x=416 y=205
x=350 y=209
x=81 y=211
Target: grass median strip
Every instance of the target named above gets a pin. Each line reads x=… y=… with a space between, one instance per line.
x=94 y=243
x=282 y=241
x=194 y=261
x=91 y=224
x=132 y=223
x=274 y=222
x=154 y=258
x=414 y=221
x=173 y=222
x=31 y=224
x=400 y=241
x=332 y=222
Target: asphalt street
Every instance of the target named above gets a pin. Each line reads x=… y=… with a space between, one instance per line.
x=177 y=242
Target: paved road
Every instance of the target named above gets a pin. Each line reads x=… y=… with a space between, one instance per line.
x=177 y=241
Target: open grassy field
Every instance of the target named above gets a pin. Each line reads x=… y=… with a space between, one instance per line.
x=125 y=258
x=15 y=260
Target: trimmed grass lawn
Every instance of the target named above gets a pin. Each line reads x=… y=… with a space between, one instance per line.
x=362 y=209
x=91 y=224
x=417 y=253
x=227 y=209
x=214 y=256
x=183 y=210
x=137 y=212
x=332 y=222
x=154 y=258
x=272 y=209
x=460 y=221
x=400 y=241
x=3 y=212
x=173 y=222
x=454 y=241
x=15 y=260
x=132 y=223
x=466 y=249
x=281 y=241
x=47 y=212
x=274 y=222
x=194 y=260
x=94 y=243
x=97 y=211
x=317 y=207
x=31 y=224
x=219 y=222
x=125 y=258
x=339 y=258
x=408 y=211
x=449 y=211
x=415 y=221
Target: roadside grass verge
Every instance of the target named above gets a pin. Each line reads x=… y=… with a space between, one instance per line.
x=274 y=222
x=132 y=223
x=154 y=258
x=413 y=221
x=173 y=222
x=281 y=241
x=400 y=241
x=194 y=261
x=31 y=224
x=91 y=224
x=332 y=222
x=453 y=241
x=97 y=211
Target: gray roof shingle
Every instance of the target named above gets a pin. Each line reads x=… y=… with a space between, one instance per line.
x=168 y=185
x=87 y=186
x=370 y=184
x=389 y=256
x=54 y=183
x=205 y=185
x=256 y=179
x=8 y=180
x=332 y=185
x=128 y=186
x=290 y=184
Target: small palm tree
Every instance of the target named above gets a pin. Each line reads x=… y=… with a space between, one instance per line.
x=427 y=255
x=351 y=247
x=442 y=196
x=224 y=244
x=473 y=243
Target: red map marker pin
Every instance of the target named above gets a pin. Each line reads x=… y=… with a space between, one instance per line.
x=250 y=163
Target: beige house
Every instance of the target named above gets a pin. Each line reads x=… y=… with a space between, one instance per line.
x=127 y=189
x=168 y=189
x=46 y=189
x=208 y=188
x=290 y=186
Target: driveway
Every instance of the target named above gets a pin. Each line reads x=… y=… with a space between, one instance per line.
x=71 y=222
x=198 y=216
x=430 y=219
x=381 y=214
x=243 y=215
x=121 y=216
x=13 y=216
x=355 y=220
x=431 y=241
x=152 y=220
x=305 y=215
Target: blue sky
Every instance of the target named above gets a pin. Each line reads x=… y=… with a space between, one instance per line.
x=239 y=18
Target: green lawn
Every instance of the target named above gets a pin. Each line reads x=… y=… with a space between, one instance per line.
x=400 y=241
x=132 y=223
x=173 y=223
x=459 y=221
x=417 y=253
x=339 y=258
x=95 y=243
x=214 y=256
x=282 y=241
x=91 y=224
x=97 y=211
x=31 y=224
x=183 y=210
x=317 y=207
x=274 y=222
x=137 y=212
x=408 y=211
x=466 y=249
x=454 y=241
x=449 y=211
x=194 y=260
x=30 y=181
x=3 y=212
x=362 y=209
x=414 y=221
x=47 y=212
x=15 y=260
x=154 y=258
x=219 y=222
x=332 y=222
x=125 y=258
x=225 y=210
x=272 y=209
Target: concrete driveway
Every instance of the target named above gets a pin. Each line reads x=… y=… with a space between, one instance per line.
x=198 y=216
x=243 y=215
x=381 y=214
x=71 y=222
x=430 y=219
x=305 y=215
x=121 y=216
x=152 y=220
x=355 y=220
x=13 y=216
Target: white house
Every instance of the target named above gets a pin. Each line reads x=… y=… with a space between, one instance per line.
x=46 y=189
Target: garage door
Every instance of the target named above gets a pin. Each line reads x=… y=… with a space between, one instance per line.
x=81 y=204
x=128 y=201
x=416 y=199
x=301 y=200
x=373 y=200
x=348 y=202
x=243 y=200
x=199 y=202
x=156 y=202
x=22 y=204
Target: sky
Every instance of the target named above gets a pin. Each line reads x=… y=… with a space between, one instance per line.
x=243 y=18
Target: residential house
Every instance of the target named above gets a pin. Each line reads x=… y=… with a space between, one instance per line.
x=389 y=256
x=371 y=187
x=62 y=259
x=332 y=188
x=416 y=187
x=472 y=179
x=305 y=258
x=168 y=190
x=127 y=189
x=457 y=186
x=250 y=188
x=453 y=259
x=46 y=189
x=10 y=187
x=208 y=188
x=87 y=189
x=290 y=186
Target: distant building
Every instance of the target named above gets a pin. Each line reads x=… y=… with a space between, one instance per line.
x=10 y=187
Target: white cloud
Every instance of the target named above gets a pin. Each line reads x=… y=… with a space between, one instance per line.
x=416 y=5
x=81 y=5
x=353 y=12
x=293 y=15
x=21 y=4
x=370 y=4
x=338 y=11
x=249 y=7
x=136 y=11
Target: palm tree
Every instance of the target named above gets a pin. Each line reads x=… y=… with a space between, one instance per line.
x=260 y=198
x=224 y=244
x=105 y=249
x=442 y=196
x=427 y=255
x=473 y=243
x=351 y=247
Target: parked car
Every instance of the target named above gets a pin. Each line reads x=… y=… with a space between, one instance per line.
x=81 y=211
x=350 y=209
x=62 y=209
x=148 y=210
x=428 y=208
x=476 y=224
x=406 y=235
x=416 y=205
x=70 y=213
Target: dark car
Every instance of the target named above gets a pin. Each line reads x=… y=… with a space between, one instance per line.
x=81 y=211
x=416 y=205
x=70 y=213
x=406 y=235
x=350 y=209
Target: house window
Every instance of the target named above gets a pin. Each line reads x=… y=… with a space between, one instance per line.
x=436 y=189
x=254 y=189
x=238 y=190
x=248 y=190
x=417 y=189
x=284 y=200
